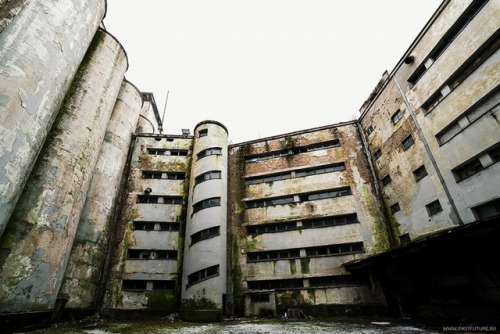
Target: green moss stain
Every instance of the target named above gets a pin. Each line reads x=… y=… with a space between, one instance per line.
x=293 y=266
x=304 y=265
x=238 y=288
x=379 y=230
x=162 y=300
x=311 y=294
x=198 y=302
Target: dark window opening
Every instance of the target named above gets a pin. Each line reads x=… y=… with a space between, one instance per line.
x=407 y=142
x=164 y=151
x=268 y=202
x=276 y=284
x=342 y=249
x=487 y=210
x=326 y=194
x=468 y=169
x=147 y=254
x=434 y=208
x=386 y=180
x=404 y=238
x=205 y=234
x=203 y=133
x=273 y=255
x=134 y=285
x=163 y=285
x=211 y=175
x=395 y=208
x=369 y=130
x=203 y=274
x=330 y=221
x=340 y=280
x=209 y=151
x=396 y=117
x=420 y=173
x=271 y=228
x=377 y=154
x=207 y=203
x=155 y=199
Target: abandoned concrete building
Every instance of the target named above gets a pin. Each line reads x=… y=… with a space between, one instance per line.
x=397 y=212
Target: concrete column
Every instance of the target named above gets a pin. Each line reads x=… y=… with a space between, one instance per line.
x=208 y=252
x=37 y=242
x=87 y=261
x=41 y=47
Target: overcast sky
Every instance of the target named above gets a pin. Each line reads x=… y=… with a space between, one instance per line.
x=263 y=67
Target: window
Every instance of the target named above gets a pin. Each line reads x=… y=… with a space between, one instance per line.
x=326 y=194
x=134 y=285
x=377 y=154
x=434 y=208
x=154 y=199
x=273 y=255
x=447 y=39
x=293 y=150
x=271 y=228
x=339 y=280
x=395 y=208
x=330 y=221
x=276 y=284
x=155 y=226
x=468 y=169
x=320 y=170
x=268 y=202
x=487 y=210
x=268 y=178
x=260 y=298
x=211 y=175
x=420 y=173
x=386 y=180
x=205 y=234
x=369 y=130
x=202 y=275
x=404 y=238
x=146 y=254
x=163 y=175
x=495 y=154
x=396 y=117
x=163 y=285
x=209 y=151
x=407 y=142
x=329 y=250
x=203 y=133
x=163 y=151
x=207 y=203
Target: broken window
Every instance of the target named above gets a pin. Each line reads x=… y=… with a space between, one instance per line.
x=396 y=117
x=203 y=133
x=203 y=274
x=395 y=208
x=407 y=142
x=386 y=180
x=434 y=208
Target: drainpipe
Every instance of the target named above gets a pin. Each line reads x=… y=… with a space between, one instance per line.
x=429 y=152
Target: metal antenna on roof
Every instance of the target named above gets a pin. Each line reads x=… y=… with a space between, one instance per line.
x=164 y=109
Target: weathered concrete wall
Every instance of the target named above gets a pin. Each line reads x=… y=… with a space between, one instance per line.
x=212 y=251
x=38 y=60
x=370 y=227
x=86 y=267
x=9 y=10
x=146 y=270
x=37 y=243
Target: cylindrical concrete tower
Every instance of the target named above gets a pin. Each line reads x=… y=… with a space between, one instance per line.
x=87 y=261
x=41 y=48
x=40 y=233
x=204 y=267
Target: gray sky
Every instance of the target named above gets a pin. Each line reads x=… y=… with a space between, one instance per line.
x=263 y=67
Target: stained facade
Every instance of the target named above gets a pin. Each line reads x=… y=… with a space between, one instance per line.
x=101 y=211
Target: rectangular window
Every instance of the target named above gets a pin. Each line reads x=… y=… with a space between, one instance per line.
x=276 y=284
x=271 y=228
x=386 y=180
x=320 y=170
x=134 y=285
x=164 y=151
x=153 y=199
x=203 y=133
x=330 y=221
x=495 y=154
x=487 y=210
x=469 y=169
x=260 y=298
x=273 y=255
x=163 y=175
x=434 y=208
x=268 y=202
x=268 y=178
x=163 y=285
x=377 y=154
x=202 y=275
x=369 y=130
x=147 y=254
x=209 y=151
x=342 y=249
x=407 y=142
x=151 y=175
x=207 y=203
x=395 y=208
x=396 y=117
x=419 y=173
x=294 y=150
x=211 y=175
x=326 y=194
x=205 y=234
